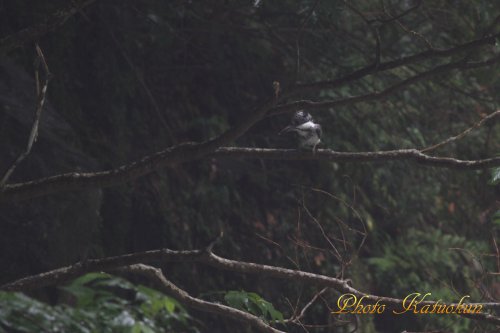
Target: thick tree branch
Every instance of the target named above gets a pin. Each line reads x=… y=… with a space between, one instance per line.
x=36 y=31
x=170 y=156
x=163 y=284
x=382 y=156
x=192 y=151
x=307 y=104
x=383 y=66
x=63 y=274
x=182 y=153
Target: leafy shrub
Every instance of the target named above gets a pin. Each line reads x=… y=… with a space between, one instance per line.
x=100 y=303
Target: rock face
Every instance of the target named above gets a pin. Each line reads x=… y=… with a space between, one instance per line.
x=66 y=225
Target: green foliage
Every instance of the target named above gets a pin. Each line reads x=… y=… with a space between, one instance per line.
x=429 y=260
x=254 y=304
x=98 y=303
x=495 y=176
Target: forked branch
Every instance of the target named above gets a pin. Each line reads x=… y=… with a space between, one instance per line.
x=205 y=256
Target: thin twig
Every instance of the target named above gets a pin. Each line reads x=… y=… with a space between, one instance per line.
x=297 y=39
x=40 y=100
x=497 y=252
x=375 y=32
x=336 y=253
x=408 y=30
x=297 y=318
x=397 y=16
x=464 y=133
x=377 y=95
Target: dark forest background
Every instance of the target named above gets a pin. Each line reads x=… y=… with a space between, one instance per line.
x=133 y=77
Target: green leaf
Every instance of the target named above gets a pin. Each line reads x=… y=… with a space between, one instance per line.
x=252 y=303
x=89 y=277
x=495 y=176
x=169 y=304
x=236 y=299
x=275 y=314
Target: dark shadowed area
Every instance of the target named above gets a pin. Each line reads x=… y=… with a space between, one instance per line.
x=129 y=79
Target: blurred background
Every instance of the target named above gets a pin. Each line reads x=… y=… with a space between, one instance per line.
x=133 y=77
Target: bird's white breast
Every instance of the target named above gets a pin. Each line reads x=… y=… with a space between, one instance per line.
x=306 y=126
x=305 y=129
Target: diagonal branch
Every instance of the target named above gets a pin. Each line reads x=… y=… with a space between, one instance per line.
x=173 y=155
x=464 y=133
x=307 y=104
x=407 y=30
x=398 y=16
x=383 y=66
x=298 y=317
x=163 y=284
x=40 y=100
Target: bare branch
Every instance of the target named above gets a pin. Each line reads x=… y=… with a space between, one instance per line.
x=185 y=152
x=40 y=100
x=302 y=313
x=163 y=284
x=173 y=155
x=382 y=156
x=192 y=151
x=411 y=32
x=398 y=16
x=383 y=66
x=464 y=133
x=297 y=39
x=307 y=104
x=63 y=274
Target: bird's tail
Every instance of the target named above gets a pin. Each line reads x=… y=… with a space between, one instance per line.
x=287 y=129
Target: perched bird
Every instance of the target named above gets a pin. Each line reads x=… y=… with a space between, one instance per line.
x=308 y=132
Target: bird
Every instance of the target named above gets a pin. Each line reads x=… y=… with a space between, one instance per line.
x=308 y=132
